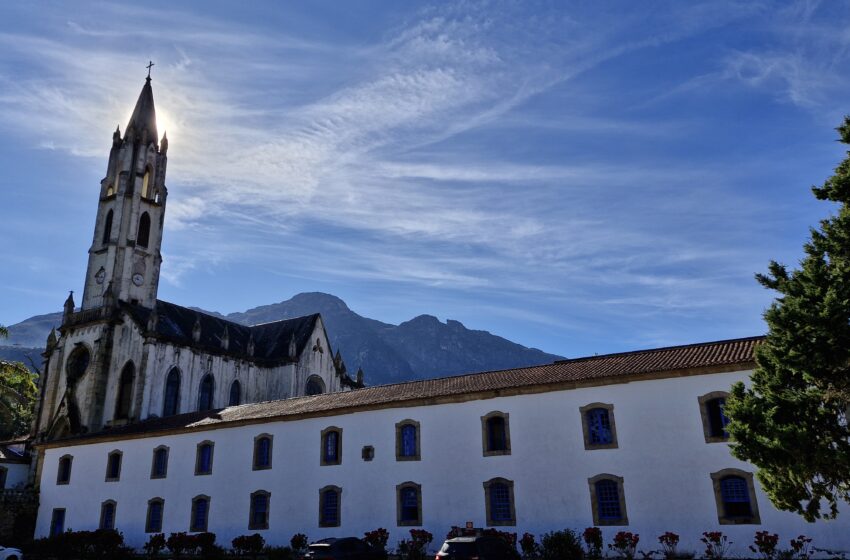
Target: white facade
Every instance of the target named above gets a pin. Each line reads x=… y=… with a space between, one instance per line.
x=661 y=454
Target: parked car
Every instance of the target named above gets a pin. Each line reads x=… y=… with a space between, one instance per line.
x=347 y=548
x=10 y=553
x=478 y=548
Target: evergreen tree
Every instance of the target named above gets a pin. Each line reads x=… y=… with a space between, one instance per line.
x=792 y=423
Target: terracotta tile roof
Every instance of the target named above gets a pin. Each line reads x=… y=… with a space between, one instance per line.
x=692 y=359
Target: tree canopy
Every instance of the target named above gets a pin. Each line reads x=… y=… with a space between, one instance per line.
x=792 y=422
x=18 y=394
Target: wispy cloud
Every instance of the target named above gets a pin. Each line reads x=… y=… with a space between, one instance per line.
x=401 y=158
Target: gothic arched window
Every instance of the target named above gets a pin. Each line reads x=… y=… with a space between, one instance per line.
x=144 y=234
x=125 y=392
x=171 y=402
x=107 y=228
x=78 y=363
x=235 y=394
x=205 y=394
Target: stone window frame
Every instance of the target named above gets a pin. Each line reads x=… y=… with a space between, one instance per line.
x=485 y=433
x=322 y=491
x=408 y=523
x=192 y=527
x=53 y=516
x=594 y=501
x=322 y=459
x=585 y=428
x=103 y=506
x=706 y=421
x=367 y=453
x=259 y=526
x=148 y=528
x=417 y=456
x=199 y=472
x=120 y=455
x=487 y=505
x=722 y=518
x=257 y=439
x=153 y=461
x=67 y=480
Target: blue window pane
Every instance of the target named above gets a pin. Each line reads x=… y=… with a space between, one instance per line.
x=736 y=497
x=497 y=439
x=500 y=502
x=599 y=426
x=199 y=519
x=107 y=516
x=608 y=500
x=114 y=466
x=160 y=462
x=205 y=398
x=262 y=452
x=172 y=394
x=409 y=504
x=57 y=522
x=330 y=507
x=408 y=440
x=205 y=458
x=717 y=417
x=332 y=447
x=155 y=517
x=259 y=509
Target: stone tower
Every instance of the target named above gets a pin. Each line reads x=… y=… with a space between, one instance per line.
x=124 y=258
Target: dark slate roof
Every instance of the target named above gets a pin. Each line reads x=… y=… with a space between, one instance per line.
x=144 y=115
x=176 y=324
x=693 y=359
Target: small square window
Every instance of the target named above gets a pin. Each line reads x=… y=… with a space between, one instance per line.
x=368 y=453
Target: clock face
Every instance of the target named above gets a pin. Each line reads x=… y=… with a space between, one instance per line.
x=138 y=279
x=101 y=274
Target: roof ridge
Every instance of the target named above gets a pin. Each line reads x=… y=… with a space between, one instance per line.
x=661 y=349
x=283 y=320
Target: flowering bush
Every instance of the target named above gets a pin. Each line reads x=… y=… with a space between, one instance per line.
x=529 y=546
x=625 y=544
x=377 y=538
x=421 y=537
x=561 y=545
x=765 y=544
x=800 y=548
x=509 y=538
x=592 y=537
x=669 y=543
x=717 y=545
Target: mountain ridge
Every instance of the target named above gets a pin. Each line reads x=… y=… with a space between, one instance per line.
x=422 y=347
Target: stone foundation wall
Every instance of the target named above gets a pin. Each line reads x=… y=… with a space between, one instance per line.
x=18 y=510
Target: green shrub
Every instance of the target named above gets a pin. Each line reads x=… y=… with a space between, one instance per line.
x=561 y=545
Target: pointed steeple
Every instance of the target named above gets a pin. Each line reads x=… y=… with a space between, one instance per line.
x=144 y=115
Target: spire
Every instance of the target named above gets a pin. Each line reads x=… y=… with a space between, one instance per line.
x=144 y=115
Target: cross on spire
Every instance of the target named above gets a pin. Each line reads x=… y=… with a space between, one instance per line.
x=150 y=64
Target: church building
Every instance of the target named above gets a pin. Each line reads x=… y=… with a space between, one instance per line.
x=156 y=418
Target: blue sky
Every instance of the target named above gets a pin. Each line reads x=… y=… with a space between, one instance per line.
x=578 y=177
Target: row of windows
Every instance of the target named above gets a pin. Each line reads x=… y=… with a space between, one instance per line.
x=143 y=232
x=206 y=392
x=597 y=423
x=734 y=494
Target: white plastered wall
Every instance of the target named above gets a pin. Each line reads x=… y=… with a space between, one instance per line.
x=662 y=457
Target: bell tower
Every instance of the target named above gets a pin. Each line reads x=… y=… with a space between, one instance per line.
x=124 y=258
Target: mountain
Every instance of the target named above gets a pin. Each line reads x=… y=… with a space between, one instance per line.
x=420 y=348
